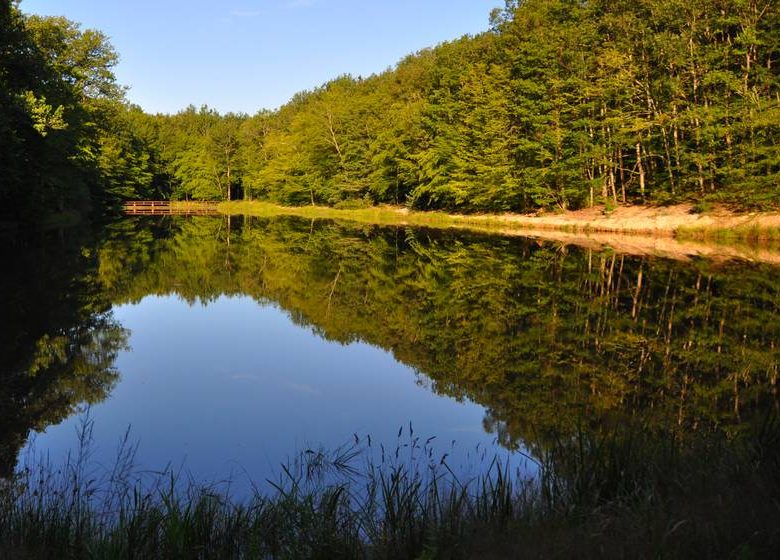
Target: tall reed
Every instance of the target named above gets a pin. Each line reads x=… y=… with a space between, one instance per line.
x=619 y=493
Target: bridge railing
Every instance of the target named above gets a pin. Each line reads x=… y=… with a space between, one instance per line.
x=168 y=207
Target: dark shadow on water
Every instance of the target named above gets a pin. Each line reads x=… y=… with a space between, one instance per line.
x=59 y=339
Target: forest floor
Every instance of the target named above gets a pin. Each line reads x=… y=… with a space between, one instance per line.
x=667 y=231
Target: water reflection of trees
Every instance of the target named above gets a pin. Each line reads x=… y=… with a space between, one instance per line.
x=549 y=339
x=60 y=339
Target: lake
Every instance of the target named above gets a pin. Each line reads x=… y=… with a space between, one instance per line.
x=228 y=345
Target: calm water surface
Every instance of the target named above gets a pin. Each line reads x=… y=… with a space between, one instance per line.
x=233 y=385
x=227 y=346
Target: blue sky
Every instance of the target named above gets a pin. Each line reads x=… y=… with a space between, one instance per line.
x=244 y=55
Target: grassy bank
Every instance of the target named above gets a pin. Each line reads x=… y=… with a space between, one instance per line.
x=622 y=494
x=682 y=221
x=385 y=215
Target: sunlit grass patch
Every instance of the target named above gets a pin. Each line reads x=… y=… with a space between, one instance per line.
x=382 y=215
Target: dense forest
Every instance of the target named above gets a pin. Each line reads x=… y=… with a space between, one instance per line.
x=560 y=104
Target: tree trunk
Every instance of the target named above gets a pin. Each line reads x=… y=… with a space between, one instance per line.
x=641 y=169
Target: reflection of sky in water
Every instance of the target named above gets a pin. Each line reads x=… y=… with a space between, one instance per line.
x=234 y=387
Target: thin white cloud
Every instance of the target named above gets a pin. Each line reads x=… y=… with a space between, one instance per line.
x=299 y=3
x=302 y=388
x=244 y=377
x=246 y=13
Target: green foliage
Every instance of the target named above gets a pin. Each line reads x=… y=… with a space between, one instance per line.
x=560 y=105
x=44 y=117
x=198 y=153
x=66 y=134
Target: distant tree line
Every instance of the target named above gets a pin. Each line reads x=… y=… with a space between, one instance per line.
x=560 y=104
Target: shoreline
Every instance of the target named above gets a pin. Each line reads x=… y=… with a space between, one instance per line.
x=669 y=232
x=679 y=221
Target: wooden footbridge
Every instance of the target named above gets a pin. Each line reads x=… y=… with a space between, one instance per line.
x=169 y=207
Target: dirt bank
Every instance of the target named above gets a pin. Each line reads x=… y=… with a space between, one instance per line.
x=678 y=220
x=670 y=231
